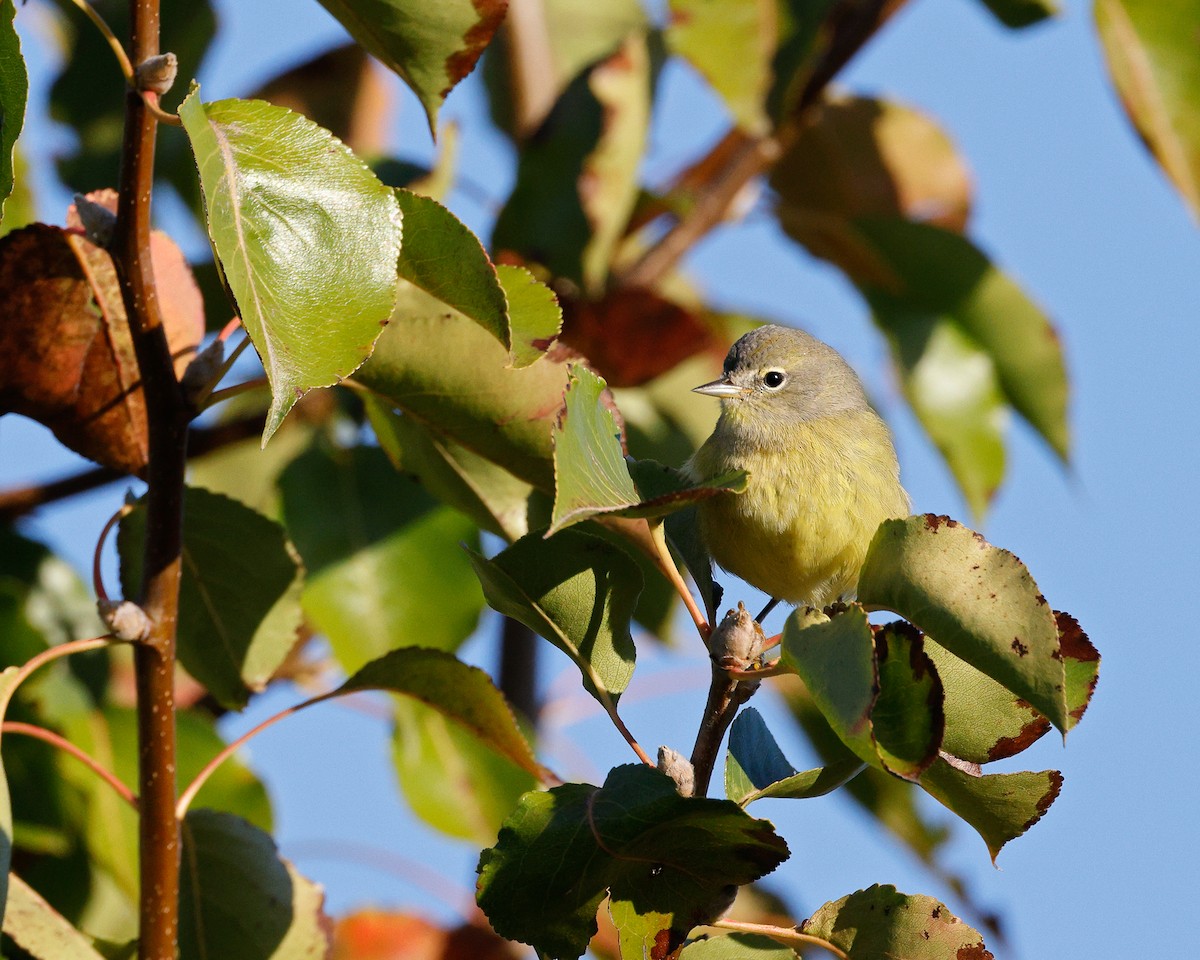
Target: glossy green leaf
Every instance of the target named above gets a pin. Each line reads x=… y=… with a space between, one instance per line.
x=446 y=260
x=460 y=692
x=451 y=780
x=14 y=88
x=878 y=689
x=39 y=929
x=939 y=274
x=239 y=900
x=755 y=767
x=731 y=43
x=282 y=194
x=591 y=475
x=533 y=311
x=976 y=600
x=1151 y=51
x=1000 y=806
x=579 y=593
x=577 y=180
x=737 y=946
x=445 y=370
x=653 y=850
x=882 y=922
x=239 y=602
x=432 y=46
x=491 y=496
x=385 y=565
x=1022 y=13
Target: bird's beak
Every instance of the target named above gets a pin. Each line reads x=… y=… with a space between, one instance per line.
x=720 y=388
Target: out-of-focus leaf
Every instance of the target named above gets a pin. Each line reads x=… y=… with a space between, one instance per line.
x=1151 y=54
x=239 y=602
x=20 y=209
x=577 y=179
x=880 y=693
x=447 y=261
x=55 y=602
x=282 y=194
x=491 y=496
x=579 y=593
x=240 y=900
x=432 y=46
x=452 y=781
x=384 y=561
x=533 y=312
x=592 y=478
x=460 y=692
x=66 y=354
x=631 y=336
x=660 y=855
x=731 y=43
x=39 y=929
x=14 y=88
x=755 y=767
x=341 y=90
x=1000 y=806
x=882 y=922
x=1081 y=663
x=1022 y=13
x=8 y=678
x=383 y=935
x=737 y=946
x=976 y=600
x=446 y=370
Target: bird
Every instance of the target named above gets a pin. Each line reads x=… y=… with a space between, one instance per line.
x=823 y=471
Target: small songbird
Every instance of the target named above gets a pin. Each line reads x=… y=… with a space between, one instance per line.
x=823 y=471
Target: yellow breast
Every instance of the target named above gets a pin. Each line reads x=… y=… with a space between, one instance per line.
x=817 y=492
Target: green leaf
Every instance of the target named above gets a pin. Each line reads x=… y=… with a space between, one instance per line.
x=39 y=929
x=446 y=260
x=491 y=496
x=941 y=275
x=447 y=371
x=239 y=900
x=462 y=693
x=654 y=851
x=432 y=46
x=755 y=767
x=8 y=678
x=877 y=689
x=239 y=601
x=976 y=600
x=1081 y=662
x=882 y=922
x=579 y=593
x=591 y=476
x=1022 y=13
x=731 y=43
x=533 y=311
x=577 y=180
x=1000 y=806
x=1151 y=54
x=14 y=88
x=737 y=946
x=281 y=194
x=57 y=603
x=451 y=780
x=384 y=561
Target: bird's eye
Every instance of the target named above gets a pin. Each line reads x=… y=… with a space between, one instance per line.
x=774 y=379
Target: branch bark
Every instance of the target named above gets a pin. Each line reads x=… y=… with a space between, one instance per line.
x=168 y=417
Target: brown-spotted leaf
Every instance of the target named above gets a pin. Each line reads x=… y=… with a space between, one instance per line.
x=66 y=355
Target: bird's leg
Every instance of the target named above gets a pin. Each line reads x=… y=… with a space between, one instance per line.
x=771 y=605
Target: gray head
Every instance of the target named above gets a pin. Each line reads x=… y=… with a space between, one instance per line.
x=786 y=373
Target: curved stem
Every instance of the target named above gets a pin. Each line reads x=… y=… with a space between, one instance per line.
x=46 y=656
x=65 y=745
x=785 y=935
x=115 y=44
x=97 y=578
x=258 y=383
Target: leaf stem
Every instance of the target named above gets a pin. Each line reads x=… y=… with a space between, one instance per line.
x=226 y=393
x=785 y=935
x=97 y=576
x=46 y=656
x=65 y=745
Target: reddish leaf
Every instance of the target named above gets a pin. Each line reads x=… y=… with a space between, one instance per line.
x=66 y=356
x=379 y=935
x=633 y=335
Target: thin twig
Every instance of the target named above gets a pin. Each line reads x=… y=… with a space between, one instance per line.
x=785 y=935
x=65 y=745
x=225 y=393
x=114 y=44
x=97 y=576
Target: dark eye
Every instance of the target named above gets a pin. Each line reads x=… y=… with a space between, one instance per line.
x=774 y=379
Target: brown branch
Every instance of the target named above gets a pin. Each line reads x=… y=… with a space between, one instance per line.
x=167 y=415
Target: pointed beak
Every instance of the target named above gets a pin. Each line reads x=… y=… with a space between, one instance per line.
x=720 y=388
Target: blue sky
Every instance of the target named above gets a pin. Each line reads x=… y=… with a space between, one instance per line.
x=1068 y=202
